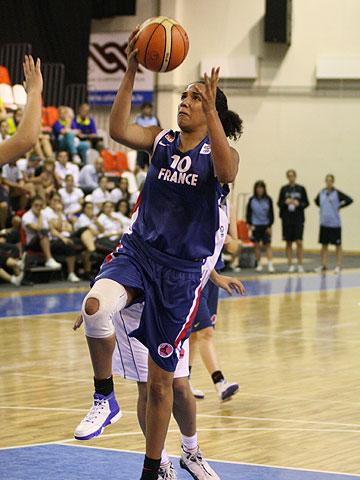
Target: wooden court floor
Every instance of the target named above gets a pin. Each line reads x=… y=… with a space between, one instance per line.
x=296 y=356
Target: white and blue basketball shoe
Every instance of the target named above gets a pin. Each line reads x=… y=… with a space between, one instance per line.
x=105 y=411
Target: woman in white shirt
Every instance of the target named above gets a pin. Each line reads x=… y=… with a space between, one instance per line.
x=100 y=195
x=123 y=214
x=72 y=197
x=112 y=228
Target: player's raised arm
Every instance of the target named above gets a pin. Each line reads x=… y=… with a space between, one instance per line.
x=226 y=158
x=121 y=130
x=29 y=129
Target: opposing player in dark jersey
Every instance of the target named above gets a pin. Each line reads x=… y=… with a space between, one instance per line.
x=173 y=231
x=29 y=129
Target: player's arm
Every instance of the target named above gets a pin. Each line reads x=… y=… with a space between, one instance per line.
x=29 y=129
x=226 y=158
x=121 y=130
x=229 y=284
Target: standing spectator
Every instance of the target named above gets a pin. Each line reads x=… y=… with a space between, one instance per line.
x=122 y=193
x=66 y=136
x=330 y=200
x=37 y=232
x=72 y=197
x=260 y=217
x=100 y=195
x=63 y=168
x=4 y=130
x=90 y=175
x=146 y=118
x=292 y=202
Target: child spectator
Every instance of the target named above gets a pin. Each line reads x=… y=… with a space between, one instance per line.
x=330 y=200
x=260 y=217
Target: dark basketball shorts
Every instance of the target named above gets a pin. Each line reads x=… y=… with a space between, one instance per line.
x=170 y=289
x=206 y=314
x=292 y=231
x=260 y=234
x=330 y=235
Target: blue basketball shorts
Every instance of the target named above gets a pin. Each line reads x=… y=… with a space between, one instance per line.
x=206 y=314
x=170 y=289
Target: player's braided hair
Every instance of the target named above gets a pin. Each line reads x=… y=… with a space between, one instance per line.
x=231 y=122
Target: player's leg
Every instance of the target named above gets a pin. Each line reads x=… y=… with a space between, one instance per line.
x=288 y=251
x=257 y=247
x=300 y=254
x=339 y=254
x=194 y=346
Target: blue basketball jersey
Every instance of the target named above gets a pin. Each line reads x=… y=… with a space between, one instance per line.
x=177 y=212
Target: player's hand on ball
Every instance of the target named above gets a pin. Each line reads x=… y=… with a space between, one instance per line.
x=78 y=322
x=32 y=73
x=131 y=51
x=208 y=92
x=230 y=285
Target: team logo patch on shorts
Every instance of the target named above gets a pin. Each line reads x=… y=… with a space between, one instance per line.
x=165 y=350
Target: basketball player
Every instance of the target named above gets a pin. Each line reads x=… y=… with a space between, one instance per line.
x=130 y=362
x=173 y=230
x=28 y=131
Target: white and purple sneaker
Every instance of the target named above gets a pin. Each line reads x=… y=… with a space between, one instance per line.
x=226 y=390
x=105 y=410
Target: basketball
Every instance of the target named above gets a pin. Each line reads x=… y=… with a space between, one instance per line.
x=162 y=44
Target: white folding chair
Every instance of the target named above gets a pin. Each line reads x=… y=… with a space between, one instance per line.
x=20 y=96
x=6 y=95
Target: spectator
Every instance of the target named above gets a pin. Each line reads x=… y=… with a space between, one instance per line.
x=15 y=120
x=72 y=197
x=260 y=217
x=100 y=195
x=90 y=174
x=292 y=202
x=89 y=220
x=66 y=136
x=123 y=214
x=122 y=193
x=4 y=130
x=112 y=226
x=146 y=118
x=60 y=239
x=330 y=200
x=4 y=204
x=19 y=191
x=47 y=181
x=63 y=168
x=85 y=125
x=36 y=232
x=9 y=258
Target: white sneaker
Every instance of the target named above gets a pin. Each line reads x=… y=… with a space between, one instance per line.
x=167 y=472
x=300 y=269
x=291 y=269
x=337 y=270
x=52 y=263
x=16 y=280
x=271 y=268
x=196 y=465
x=105 y=411
x=199 y=394
x=259 y=268
x=73 y=278
x=226 y=390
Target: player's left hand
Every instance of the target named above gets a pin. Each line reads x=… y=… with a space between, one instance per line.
x=78 y=322
x=208 y=93
x=230 y=284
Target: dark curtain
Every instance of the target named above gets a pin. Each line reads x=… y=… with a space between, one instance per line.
x=58 y=31
x=111 y=8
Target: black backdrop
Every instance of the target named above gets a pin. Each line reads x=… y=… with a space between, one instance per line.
x=57 y=29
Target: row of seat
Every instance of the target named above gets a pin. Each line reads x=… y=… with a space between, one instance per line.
x=13 y=96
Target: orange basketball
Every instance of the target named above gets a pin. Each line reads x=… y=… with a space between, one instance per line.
x=162 y=43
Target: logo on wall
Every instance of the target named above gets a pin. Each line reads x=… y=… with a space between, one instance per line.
x=106 y=66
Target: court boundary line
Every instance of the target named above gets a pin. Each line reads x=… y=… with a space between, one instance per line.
x=65 y=443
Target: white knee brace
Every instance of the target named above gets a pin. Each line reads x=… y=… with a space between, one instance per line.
x=112 y=297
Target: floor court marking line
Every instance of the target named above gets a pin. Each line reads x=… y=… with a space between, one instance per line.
x=200 y=415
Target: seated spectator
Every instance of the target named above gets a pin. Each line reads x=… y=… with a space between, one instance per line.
x=67 y=138
x=19 y=191
x=14 y=121
x=100 y=195
x=46 y=182
x=85 y=125
x=37 y=233
x=89 y=220
x=72 y=197
x=43 y=147
x=4 y=130
x=48 y=213
x=146 y=118
x=9 y=260
x=122 y=193
x=64 y=167
x=90 y=175
x=5 y=208
x=124 y=213
x=112 y=226
x=60 y=239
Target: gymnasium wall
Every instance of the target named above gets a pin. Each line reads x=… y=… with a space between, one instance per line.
x=290 y=121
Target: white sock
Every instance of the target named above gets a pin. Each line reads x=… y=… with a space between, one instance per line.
x=164 y=458
x=190 y=443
